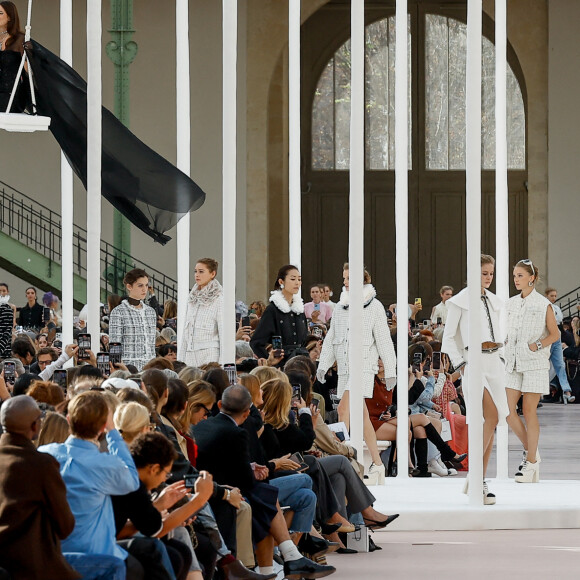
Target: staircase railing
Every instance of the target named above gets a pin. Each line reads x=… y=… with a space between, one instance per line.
x=39 y=228
x=569 y=302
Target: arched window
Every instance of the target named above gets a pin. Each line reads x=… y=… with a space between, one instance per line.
x=445 y=67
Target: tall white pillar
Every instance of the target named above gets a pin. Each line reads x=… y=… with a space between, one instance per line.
x=229 y=159
x=473 y=227
x=294 y=185
x=94 y=151
x=502 y=266
x=183 y=137
x=66 y=194
x=402 y=231
x=356 y=222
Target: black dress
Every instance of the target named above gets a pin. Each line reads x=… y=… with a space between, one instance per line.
x=10 y=59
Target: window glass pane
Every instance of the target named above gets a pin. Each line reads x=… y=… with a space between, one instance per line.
x=323 y=120
x=342 y=107
x=446 y=39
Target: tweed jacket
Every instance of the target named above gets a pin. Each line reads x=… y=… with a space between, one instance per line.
x=135 y=329
x=455 y=335
x=526 y=324
x=203 y=319
x=376 y=338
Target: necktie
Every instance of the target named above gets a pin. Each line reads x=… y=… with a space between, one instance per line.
x=484 y=299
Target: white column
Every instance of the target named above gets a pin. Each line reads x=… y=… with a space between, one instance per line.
x=229 y=119
x=94 y=149
x=294 y=186
x=66 y=194
x=502 y=266
x=473 y=227
x=183 y=135
x=356 y=223
x=402 y=230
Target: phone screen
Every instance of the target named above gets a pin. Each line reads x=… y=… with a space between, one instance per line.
x=190 y=480
x=277 y=345
x=439 y=320
x=103 y=363
x=10 y=373
x=245 y=321
x=59 y=377
x=417 y=359
x=84 y=341
x=314 y=403
x=426 y=323
x=115 y=352
x=46 y=314
x=436 y=361
x=317 y=306
x=295 y=395
x=232 y=374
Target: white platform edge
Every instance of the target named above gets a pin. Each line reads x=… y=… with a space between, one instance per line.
x=439 y=504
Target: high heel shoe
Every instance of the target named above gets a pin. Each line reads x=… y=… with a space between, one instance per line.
x=488 y=497
x=457 y=462
x=373 y=524
x=379 y=470
x=530 y=473
x=568 y=397
x=330 y=528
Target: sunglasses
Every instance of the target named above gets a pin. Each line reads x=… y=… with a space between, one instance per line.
x=207 y=411
x=528 y=262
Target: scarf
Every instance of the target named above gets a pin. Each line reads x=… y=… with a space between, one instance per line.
x=369 y=294
x=207 y=295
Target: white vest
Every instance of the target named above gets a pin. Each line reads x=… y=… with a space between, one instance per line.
x=526 y=324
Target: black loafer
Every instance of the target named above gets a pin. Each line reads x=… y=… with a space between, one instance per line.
x=305 y=568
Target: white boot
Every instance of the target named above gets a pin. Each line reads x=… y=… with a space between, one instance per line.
x=450 y=470
x=530 y=473
x=434 y=467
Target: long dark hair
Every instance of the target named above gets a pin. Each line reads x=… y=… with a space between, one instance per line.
x=13 y=26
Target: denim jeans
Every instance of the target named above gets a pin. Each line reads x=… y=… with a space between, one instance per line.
x=557 y=360
x=296 y=491
x=97 y=566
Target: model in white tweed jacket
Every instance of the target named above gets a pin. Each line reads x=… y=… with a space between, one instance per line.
x=203 y=322
x=377 y=344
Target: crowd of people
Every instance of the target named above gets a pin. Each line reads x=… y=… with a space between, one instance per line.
x=152 y=459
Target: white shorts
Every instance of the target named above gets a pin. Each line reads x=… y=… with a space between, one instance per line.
x=537 y=381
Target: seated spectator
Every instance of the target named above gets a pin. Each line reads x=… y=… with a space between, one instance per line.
x=93 y=477
x=54 y=429
x=131 y=419
x=34 y=513
x=41 y=341
x=23 y=381
x=136 y=395
x=44 y=357
x=46 y=392
x=243 y=350
x=169 y=352
x=318 y=311
x=158 y=363
x=190 y=374
x=257 y=307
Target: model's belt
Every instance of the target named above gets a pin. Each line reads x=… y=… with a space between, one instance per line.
x=488 y=347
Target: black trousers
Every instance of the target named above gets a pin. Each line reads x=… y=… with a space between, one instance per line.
x=327 y=503
x=145 y=559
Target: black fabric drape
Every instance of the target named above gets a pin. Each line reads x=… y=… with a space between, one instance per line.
x=142 y=185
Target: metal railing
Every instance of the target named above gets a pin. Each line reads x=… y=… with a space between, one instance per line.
x=569 y=302
x=39 y=228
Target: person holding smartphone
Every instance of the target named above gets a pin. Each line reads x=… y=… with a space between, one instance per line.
x=377 y=344
x=203 y=317
x=454 y=344
x=318 y=311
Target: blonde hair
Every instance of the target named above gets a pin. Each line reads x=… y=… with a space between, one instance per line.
x=190 y=374
x=487 y=259
x=130 y=420
x=201 y=394
x=264 y=374
x=277 y=395
x=54 y=429
x=531 y=269
x=252 y=383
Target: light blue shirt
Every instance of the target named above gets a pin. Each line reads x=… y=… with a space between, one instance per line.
x=91 y=479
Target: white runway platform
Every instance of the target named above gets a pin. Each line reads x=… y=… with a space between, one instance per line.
x=439 y=504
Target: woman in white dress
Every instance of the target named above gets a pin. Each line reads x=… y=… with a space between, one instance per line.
x=203 y=318
x=532 y=328
x=377 y=344
x=495 y=407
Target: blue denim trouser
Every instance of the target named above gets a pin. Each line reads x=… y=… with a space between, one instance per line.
x=97 y=566
x=296 y=491
x=557 y=360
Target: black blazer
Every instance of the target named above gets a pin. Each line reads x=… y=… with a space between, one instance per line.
x=292 y=439
x=31 y=317
x=223 y=450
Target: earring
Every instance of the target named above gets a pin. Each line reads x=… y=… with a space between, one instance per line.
x=281 y=286
x=530 y=283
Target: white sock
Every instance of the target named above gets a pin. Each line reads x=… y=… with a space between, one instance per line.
x=289 y=551
x=265 y=570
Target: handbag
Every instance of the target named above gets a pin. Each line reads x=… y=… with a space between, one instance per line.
x=446 y=430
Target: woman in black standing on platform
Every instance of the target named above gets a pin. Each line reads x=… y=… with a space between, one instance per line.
x=283 y=317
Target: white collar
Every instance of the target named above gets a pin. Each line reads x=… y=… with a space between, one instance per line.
x=5 y=299
x=369 y=293
x=462 y=300
x=277 y=298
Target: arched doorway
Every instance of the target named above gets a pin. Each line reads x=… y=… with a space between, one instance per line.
x=437 y=38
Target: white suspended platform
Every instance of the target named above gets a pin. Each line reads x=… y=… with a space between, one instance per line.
x=23 y=123
x=439 y=504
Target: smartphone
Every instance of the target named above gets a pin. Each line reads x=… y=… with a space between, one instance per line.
x=340 y=435
x=436 y=361
x=383 y=416
x=298 y=458
x=172 y=323
x=245 y=321
x=389 y=315
x=9 y=373
x=115 y=352
x=232 y=374
x=317 y=306
x=84 y=342
x=317 y=331
x=427 y=365
x=296 y=395
x=314 y=403
x=439 y=320
x=57 y=343
x=103 y=363
x=426 y=323
x=417 y=360
x=277 y=346
x=59 y=377
x=46 y=314
x=190 y=480
x=418 y=302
